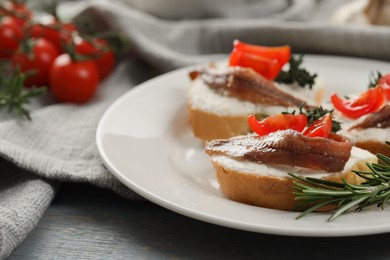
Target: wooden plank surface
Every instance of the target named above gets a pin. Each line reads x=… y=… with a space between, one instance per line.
x=85 y=222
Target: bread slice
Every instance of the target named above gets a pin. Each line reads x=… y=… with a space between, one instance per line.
x=208 y=126
x=271 y=187
x=215 y=116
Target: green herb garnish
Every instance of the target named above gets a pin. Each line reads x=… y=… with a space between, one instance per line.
x=300 y=110
x=13 y=95
x=297 y=74
x=373 y=79
x=315 y=114
x=316 y=193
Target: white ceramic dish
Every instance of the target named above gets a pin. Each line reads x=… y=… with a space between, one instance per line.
x=145 y=141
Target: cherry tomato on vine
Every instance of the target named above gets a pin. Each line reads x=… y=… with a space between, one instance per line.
x=277 y=122
x=320 y=128
x=57 y=32
x=11 y=33
x=368 y=102
x=73 y=81
x=19 y=11
x=36 y=59
x=384 y=83
x=99 y=48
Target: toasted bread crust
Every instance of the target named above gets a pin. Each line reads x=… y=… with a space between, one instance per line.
x=208 y=126
x=271 y=191
x=374 y=147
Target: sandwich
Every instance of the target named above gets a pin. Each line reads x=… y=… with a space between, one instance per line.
x=366 y=117
x=253 y=168
x=221 y=97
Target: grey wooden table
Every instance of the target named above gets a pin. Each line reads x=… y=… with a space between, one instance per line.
x=85 y=222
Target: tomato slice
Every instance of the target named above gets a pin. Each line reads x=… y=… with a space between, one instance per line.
x=368 y=102
x=267 y=61
x=320 y=128
x=266 y=67
x=277 y=122
x=280 y=53
x=384 y=83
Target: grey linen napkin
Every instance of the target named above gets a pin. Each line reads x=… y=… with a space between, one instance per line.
x=59 y=144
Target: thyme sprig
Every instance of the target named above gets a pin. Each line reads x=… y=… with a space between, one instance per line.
x=297 y=74
x=315 y=193
x=315 y=114
x=373 y=79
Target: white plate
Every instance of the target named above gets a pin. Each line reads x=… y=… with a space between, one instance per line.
x=145 y=141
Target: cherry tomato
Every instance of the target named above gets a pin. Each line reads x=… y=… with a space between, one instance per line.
x=277 y=122
x=281 y=53
x=11 y=33
x=19 y=11
x=73 y=81
x=320 y=128
x=368 y=102
x=39 y=61
x=384 y=83
x=57 y=32
x=104 y=56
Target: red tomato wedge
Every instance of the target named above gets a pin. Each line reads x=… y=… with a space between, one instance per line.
x=384 y=83
x=368 y=102
x=267 y=61
x=266 y=67
x=320 y=128
x=281 y=53
x=277 y=122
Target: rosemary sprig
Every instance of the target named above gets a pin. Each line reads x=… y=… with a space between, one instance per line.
x=316 y=193
x=297 y=74
x=13 y=95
